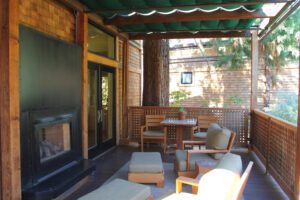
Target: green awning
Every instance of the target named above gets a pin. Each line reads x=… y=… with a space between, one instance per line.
x=109 y=9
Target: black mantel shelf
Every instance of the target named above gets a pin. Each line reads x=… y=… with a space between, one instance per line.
x=56 y=185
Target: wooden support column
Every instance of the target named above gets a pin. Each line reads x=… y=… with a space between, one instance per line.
x=254 y=69
x=82 y=39
x=125 y=89
x=297 y=167
x=10 y=176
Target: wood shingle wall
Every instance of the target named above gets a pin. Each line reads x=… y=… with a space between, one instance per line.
x=49 y=17
x=134 y=76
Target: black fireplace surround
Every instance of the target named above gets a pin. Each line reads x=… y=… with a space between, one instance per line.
x=50 y=94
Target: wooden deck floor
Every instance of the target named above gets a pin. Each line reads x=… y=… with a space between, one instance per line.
x=260 y=185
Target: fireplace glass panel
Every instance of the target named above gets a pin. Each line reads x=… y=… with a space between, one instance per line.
x=54 y=140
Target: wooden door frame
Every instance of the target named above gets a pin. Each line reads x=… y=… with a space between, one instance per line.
x=10 y=175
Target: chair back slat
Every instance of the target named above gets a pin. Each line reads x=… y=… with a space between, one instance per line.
x=231 y=141
x=154 y=120
x=205 y=120
x=243 y=181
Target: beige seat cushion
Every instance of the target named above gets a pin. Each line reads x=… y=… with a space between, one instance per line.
x=231 y=162
x=153 y=133
x=145 y=162
x=204 y=159
x=125 y=190
x=201 y=135
x=217 y=138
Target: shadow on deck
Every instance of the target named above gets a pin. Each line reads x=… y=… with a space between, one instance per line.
x=260 y=186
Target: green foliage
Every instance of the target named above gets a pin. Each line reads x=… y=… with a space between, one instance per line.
x=204 y=103
x=282 y=45
x=236 y=100
x=177 y=97
x=232 y=53
x=182 y=109
x=287 y=110
x=278 y=48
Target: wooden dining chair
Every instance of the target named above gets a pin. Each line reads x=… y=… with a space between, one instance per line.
x=154 y=131
x=199 y=132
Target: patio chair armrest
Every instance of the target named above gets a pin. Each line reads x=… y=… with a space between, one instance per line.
x=195 y=128
x=143 y=128
x=207 y=151
x=185 y=180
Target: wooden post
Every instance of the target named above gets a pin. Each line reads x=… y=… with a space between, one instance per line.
x=9 y=101
x=297 y=167
x=82 y=39
x=125 y=88
x=254 y=77
x=254 y=69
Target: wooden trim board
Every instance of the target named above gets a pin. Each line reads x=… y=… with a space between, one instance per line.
x=157 y=178
x=9 y=101
x=102 y=60
x=82 y=39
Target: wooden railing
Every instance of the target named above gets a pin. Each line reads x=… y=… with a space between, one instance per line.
x=274 y=141
x=236 y=120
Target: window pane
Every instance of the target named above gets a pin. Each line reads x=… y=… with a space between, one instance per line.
x=186 y=78
x=100 y=42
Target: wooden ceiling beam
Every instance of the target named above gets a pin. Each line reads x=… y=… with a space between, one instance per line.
x=284 y=13
x=216 y=34
x=190 y=30
x=200 y=5
x=187 y=17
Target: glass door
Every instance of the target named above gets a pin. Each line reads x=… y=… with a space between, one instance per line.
x=101 y=109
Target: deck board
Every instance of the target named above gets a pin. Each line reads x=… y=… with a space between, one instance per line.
x=260 y=185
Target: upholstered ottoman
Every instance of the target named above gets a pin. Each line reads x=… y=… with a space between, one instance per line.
x=146 y=167
x=120 y=189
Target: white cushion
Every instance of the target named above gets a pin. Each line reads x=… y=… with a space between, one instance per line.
x=119 y=189
x=145 y=162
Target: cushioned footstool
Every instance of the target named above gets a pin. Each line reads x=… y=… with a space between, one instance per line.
x=146 y=167
x=120 y=189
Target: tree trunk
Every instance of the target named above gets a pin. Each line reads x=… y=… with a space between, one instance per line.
x=156 y=73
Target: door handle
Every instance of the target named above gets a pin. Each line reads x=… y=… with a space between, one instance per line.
x=99 y=116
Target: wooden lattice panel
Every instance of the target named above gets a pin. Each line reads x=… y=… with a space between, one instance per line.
x=259 y=136
x=234 y=119
x=282 y=155
x=275 y=141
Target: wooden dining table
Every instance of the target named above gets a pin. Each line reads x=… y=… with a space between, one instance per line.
x=179 y=125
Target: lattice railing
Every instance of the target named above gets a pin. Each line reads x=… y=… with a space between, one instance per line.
x=236 y=120
x=274 y=141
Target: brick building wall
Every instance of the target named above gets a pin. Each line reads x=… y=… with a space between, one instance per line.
x=212 y=87
x=220 y=87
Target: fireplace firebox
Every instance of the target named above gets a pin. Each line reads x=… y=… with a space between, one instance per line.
x=52 y=150
x=54 y=141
